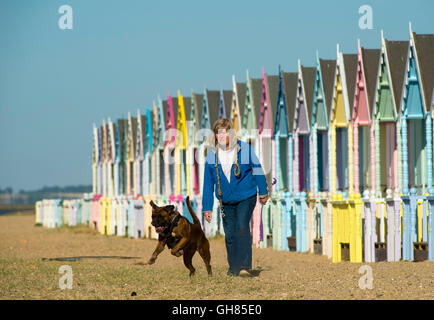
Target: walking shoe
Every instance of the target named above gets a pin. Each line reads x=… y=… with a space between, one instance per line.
x=245 y=273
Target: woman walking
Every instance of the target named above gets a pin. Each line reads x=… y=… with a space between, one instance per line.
x=234 y=174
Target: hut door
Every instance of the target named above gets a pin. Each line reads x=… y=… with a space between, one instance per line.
x=416 y=153
x=304 y=162
x=342 y=158
x=391 y=155
x=387 y=156
x=322 y=156
x=132 y=177
x=283 y=157
x=121 y=178
x=150 y=166
x=364 y=157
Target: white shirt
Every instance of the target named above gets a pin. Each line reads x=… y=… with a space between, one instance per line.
x=227 y=159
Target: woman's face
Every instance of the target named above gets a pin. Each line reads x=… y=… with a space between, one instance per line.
x=222 y=137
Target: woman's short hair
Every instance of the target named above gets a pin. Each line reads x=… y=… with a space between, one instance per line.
x=222 y=124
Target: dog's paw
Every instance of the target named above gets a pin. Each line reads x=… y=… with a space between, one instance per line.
x=151 y=261
x=177 y=253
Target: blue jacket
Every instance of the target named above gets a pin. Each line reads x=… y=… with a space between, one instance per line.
x=240 y=188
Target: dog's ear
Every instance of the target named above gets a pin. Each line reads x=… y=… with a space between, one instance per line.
x=153 y=205
x=170 y=208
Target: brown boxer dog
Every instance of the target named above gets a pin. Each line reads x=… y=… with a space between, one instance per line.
x=182 y=237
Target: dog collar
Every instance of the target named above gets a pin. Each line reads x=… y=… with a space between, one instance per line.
x=173 y=223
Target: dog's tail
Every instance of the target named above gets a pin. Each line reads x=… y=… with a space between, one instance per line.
x=193 y=215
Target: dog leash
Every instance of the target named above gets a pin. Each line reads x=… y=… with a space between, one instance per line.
x=261 y=227
x=237 y=172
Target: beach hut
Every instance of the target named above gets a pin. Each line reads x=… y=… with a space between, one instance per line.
x=47 y=213
x=149 y=151
x=301 y=155
x=181 y=145
x=385 y=113
x=123 y=151
x=95 y=160
x=148 y=177
x=301 y=127
x=416 y=139
x=336 y=221
x=104 y=158
x=184 y=105
x=86 y=209
x=362 y=126
x=144 y=186
x=340 y=130
x=117 y=160
x=109 y=174
x=170 y=108
x=266 y=121
x=249 y=134
x=317 y=206
x=319 y=125
x=193 y=137
x=158 y=148
x=110 y=149
x=151 y=163
x=238 y=101
x=131 y=152
x=111 y=146
x=139 y=217
x=209 y=115
x=66 y=204
x=100 y=160
x=266 y=154
x=148 y=168
x=114 y=217
x=122 y=216
x=57 y=217
x=193 y=117
x=95 y=211
x=131 y=217
x=416 y=124
x=282 y=135
x=139 y=176
x=164 y=162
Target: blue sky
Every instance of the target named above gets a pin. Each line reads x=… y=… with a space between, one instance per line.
x=54 y=84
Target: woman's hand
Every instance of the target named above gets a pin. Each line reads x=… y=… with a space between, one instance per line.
x=264 y=200
x=208 y=216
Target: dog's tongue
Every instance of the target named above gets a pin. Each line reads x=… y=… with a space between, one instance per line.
x=159 y=228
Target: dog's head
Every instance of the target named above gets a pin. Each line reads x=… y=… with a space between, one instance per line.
x=162 y=216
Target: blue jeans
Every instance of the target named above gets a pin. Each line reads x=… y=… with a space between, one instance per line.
x=236 y=224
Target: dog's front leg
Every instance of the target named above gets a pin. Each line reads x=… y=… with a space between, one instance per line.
x=176 y=251
x=157 y=251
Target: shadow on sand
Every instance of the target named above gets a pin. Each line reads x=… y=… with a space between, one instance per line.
x=87 y=258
